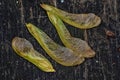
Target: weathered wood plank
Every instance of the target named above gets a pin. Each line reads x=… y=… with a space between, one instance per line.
x=104 y=66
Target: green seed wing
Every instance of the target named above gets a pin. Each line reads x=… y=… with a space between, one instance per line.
x=25 y=49
x=60 y=54
x=82 y=21
x=79 y=46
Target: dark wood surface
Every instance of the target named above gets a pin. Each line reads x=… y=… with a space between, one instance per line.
x=104 y=66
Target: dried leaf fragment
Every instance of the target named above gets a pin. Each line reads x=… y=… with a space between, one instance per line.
x=25 y=49
x=82 y=21
x=60 y=54
x=109 y=33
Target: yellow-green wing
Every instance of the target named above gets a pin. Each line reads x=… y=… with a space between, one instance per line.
x=82 y=21
x=25 y=49
x=60 y=54
x=78 y=45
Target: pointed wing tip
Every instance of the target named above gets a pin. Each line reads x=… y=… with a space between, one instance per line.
x=43 y=5
x=51 y=70
x=46 y=7
x=28 y=25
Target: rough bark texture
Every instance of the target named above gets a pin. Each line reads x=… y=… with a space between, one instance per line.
x=104 y=66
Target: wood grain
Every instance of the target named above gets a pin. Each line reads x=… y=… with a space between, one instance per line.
x=104 y=66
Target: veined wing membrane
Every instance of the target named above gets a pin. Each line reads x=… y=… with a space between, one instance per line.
x=79 y=46
x=25 y=49
x=82 y=21
x=60 y=54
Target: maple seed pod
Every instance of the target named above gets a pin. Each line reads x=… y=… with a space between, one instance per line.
x=82 y=21
x=78 y=45
x=25 y=49
x=60 y=54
